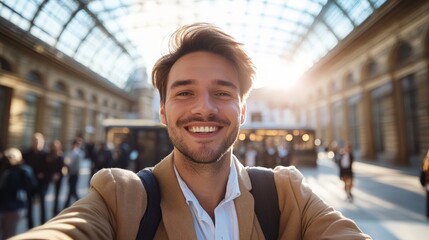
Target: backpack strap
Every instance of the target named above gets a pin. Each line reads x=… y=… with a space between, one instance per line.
x=266 y=200
x=263 y=190
x=152 y=217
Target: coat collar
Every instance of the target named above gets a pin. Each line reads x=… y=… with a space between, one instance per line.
x=176 y=215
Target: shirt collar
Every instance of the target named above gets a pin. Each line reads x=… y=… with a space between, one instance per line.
x=232 y=190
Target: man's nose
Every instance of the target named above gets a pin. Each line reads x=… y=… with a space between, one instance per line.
x=205 y=105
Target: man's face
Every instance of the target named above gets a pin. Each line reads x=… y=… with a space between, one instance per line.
x=202 y=110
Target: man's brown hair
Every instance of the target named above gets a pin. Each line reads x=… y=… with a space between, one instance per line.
x=209 y=38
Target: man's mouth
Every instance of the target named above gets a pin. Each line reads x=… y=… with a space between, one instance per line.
x=203 y=129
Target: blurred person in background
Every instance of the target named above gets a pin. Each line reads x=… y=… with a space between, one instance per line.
x=15 y=178
x=35 y=157
x=121 y=155
x=90 y=154
x=103 y=157
x=250 y=155
x=345 y=164
x=284 y=154
x=56 y=160
x=270 y=155
x=424 y=180
x=73 y=162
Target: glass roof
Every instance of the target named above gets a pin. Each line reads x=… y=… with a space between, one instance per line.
x=116 y=37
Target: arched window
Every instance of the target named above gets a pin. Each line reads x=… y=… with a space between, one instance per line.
x=404 y=53
x=60 y=86
x=5 y=65
x=334 y=87
x=350 y=79
x=34 y=77
x=80 y=94
x=94 y=99
x=371 y=68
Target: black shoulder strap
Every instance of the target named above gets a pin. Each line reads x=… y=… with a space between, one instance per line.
x=152 y=217
x=263 y=190
x=266 y=200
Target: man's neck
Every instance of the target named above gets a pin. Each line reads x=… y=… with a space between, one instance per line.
x=207 y=181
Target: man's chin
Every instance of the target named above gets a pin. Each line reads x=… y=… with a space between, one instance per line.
x=204 y=159
x=204 y=156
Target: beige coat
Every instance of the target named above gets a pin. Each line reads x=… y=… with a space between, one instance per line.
x=116 y=203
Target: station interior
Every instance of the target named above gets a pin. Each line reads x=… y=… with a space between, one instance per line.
x=328 y=73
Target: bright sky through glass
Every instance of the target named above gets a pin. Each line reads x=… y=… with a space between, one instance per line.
x=116 y=37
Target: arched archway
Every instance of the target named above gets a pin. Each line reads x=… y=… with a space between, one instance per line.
x=34 y=76
x=400 y=54
x=5 y=64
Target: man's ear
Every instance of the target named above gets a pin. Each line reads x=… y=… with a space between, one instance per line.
x=162 y=114
x=243 y=114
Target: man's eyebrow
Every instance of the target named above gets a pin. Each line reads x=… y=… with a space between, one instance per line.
x=220 y=82
x=179 y=83
x=227 y=84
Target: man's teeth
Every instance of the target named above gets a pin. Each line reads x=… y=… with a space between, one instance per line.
x=202 y=129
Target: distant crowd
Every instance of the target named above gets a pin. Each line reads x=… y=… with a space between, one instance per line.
x=26 y=175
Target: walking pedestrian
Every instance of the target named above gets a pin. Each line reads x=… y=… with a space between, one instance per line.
x=103 y=157
x=56 y=160
x=73 y=162
x=15 y=179
x=345 y=165
x=35 y=157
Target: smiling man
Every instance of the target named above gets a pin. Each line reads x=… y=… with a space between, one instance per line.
x=202 y=108
x=205 y=190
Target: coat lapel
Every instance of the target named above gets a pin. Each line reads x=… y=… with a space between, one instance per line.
x=176 y=216
x=244 y=204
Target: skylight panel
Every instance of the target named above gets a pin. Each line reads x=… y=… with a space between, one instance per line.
x=327 y=38
x=339 y=23
x=378 y=3
x=19 y=12
x=53 y=17
x=69 y=43
x=75 y=31
x=88 y=48
x=122 y=70
x=357 y=10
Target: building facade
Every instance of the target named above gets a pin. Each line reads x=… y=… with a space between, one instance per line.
x=41 y=90
x=373 y=89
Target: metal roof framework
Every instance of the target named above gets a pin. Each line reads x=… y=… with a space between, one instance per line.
x=114 y=38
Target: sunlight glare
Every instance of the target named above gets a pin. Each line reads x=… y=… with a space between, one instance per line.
x=275 y=72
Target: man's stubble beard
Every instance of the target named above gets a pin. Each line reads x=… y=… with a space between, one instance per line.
x=204 y=155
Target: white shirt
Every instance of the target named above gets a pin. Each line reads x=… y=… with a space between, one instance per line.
x=226 y=226
x=345 y=160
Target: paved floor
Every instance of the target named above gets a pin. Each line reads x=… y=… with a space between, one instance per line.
x=388 y=203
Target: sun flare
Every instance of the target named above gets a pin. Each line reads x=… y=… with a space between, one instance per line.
x=274 y=72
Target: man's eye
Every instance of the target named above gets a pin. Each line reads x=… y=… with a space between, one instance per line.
x=223 y=94
x=183 y=94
